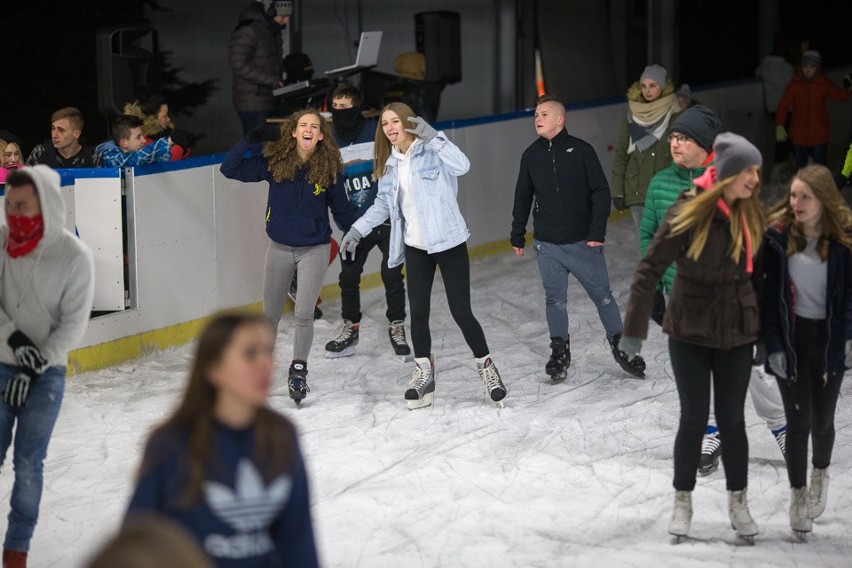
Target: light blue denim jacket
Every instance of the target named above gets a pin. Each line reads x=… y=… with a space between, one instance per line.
x=435 y=165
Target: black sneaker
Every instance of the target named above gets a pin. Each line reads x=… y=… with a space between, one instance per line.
x=636 y=367
x=297 y=381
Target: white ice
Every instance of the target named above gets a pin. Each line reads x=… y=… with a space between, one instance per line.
x=575 y=474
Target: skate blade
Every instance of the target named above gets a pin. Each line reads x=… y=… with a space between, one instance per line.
x=708 y=471
x=405 y=358
x=422 y=403
x=348 y=352
x=800 y=536
x=679 y=538
x=558 y=378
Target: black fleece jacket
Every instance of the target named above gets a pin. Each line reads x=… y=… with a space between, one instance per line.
x=571 y=192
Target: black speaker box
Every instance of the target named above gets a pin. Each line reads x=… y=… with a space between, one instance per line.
x=128 y=60
x=438 y=38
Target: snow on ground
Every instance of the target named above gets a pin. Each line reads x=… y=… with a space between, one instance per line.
x=575 y=474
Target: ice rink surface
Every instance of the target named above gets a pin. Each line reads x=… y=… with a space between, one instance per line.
x=575 y=474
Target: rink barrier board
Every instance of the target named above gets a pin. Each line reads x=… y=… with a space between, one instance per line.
x=200 y=244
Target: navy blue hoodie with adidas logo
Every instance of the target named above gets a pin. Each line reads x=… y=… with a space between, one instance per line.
x=241 y=520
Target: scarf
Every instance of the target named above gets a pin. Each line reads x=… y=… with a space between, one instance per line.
x=648 y=122
x=24 y=234
x=707 y=179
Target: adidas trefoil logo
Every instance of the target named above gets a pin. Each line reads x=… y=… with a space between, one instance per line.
x=249 y=509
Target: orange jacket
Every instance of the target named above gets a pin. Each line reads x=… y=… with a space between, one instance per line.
x=805 y=98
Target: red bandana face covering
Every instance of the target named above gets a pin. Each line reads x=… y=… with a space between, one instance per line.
x=24 y=234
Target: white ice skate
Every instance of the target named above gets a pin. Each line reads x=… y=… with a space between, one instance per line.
x=681 y=515
x=819 y=491
x=800 y=515
x=422 y=385
x=741 y=520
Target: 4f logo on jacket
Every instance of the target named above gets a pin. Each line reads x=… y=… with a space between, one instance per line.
x=318 y=189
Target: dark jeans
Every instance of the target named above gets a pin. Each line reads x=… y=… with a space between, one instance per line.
x=801 y=153
x=250 y=119
x=455 y=270
x=693 y=366
x=350 y=278
x=808 y=403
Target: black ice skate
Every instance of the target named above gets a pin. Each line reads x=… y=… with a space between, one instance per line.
x=297 y=381
x=491 y=378
x=711 y=451
x=344 y=344
x=396 y=333
x=422 y=384
x=560 y=359
x=636 y=367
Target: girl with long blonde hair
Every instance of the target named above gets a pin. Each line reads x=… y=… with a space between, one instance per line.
x=808 y=326
x=301 y=163
x=713 y=234
x=417 y=168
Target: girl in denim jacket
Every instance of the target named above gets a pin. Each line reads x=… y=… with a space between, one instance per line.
x=417 y=168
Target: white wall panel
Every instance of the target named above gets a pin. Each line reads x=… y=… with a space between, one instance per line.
x=176 y=246
x=97 y=216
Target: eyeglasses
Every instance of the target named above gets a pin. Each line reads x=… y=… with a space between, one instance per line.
x=679 y=138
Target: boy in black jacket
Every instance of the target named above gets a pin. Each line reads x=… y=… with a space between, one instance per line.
x=563 y=176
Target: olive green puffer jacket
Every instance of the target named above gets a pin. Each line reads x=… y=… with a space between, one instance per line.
x=632 y=172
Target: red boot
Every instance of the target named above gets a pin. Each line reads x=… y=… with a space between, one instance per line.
x=14 y=559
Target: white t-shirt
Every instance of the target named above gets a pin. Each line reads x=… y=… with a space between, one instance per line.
x=413 y=235
x=810 y=277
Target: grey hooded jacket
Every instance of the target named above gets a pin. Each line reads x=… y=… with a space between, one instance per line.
x=47 y=294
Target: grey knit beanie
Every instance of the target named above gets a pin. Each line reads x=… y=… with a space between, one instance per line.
x=812 y=57
x=733 y=154
x=699 y=123
x=656 y=73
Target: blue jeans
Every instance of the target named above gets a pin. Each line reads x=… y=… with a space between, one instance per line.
x=587 y=264
x=35 y=425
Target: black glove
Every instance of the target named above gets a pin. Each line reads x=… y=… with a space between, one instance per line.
x=265 y=133
x=618 y=203
x=26 y=353
x=180 y=138
x=759 y=354
x=18 y=388
x=658 y=312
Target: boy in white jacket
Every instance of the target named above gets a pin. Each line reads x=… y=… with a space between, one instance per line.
x=46 y=291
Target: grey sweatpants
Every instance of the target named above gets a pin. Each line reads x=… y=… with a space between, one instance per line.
x=281 y=262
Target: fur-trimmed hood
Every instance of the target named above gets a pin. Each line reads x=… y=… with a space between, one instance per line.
x=150 y=126
x=634 y=93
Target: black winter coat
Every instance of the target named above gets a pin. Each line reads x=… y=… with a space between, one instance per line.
x=255 y=57
x=570 y=190
x=779 y=321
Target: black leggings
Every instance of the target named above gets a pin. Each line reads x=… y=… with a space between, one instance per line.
x=731 y=371
x=455 y=270
x=808 y=403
